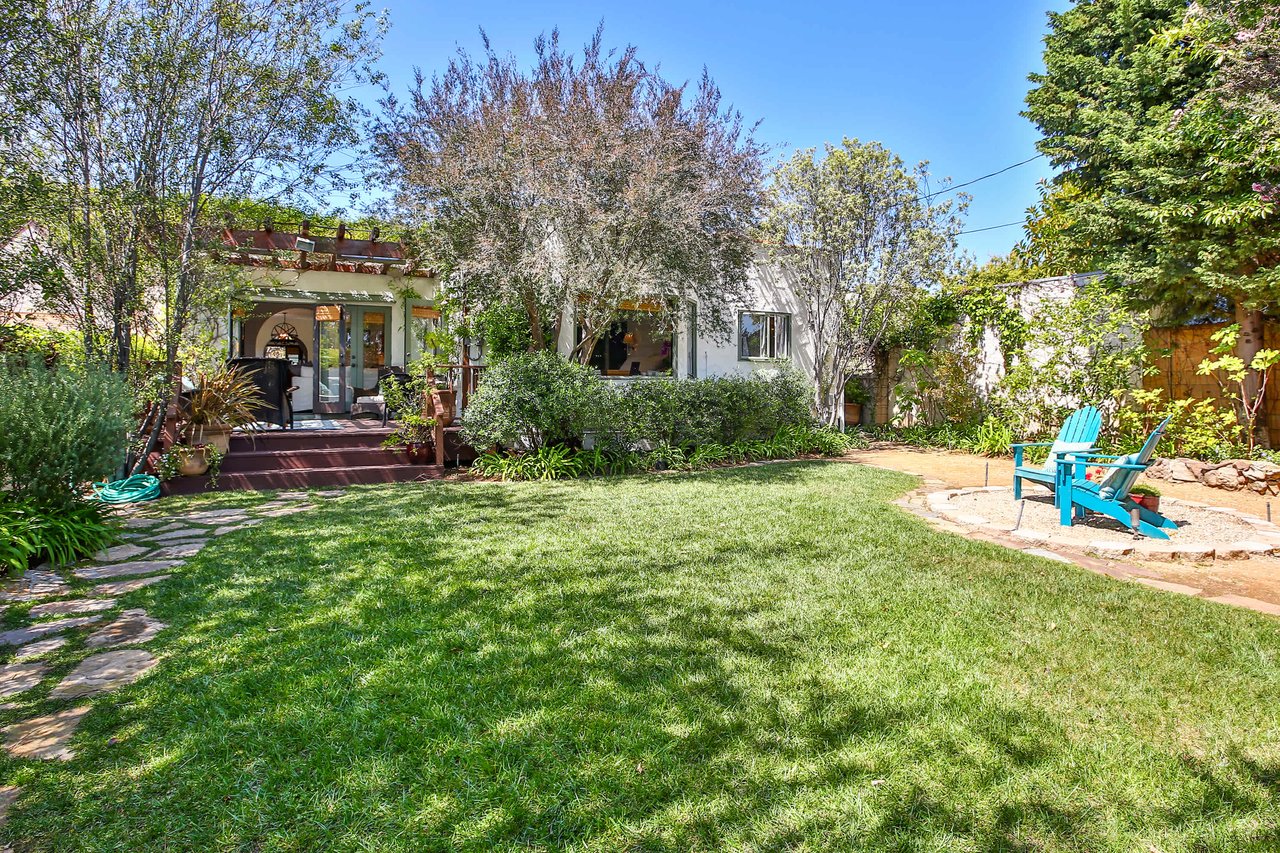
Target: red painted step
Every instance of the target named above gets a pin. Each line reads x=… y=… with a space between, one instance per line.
x=246 y=461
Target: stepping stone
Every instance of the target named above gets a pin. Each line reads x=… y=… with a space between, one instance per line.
x=1048 y=555
x=133 y=627
x=1169 y=586
x=291 y=496
x=18 y=678
x=193 y=533
x=178 y=551
x=1029 y=536
x=8 y=794
x=104 y=672
x=120 y=552
x=1248 y=603
x=1102 y=548
x=44 y=737
x=280 y=512
x=1173 y=553
x=22 y=636
x=222 y=516
x=142 y=522
x=71 y=606
x=33 y=585
x=337 y=493
x=121 y=587
x=1245 y=550
x=223 y=531
x=40 y=648
x=120 y=570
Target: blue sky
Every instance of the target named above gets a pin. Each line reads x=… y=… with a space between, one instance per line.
x=934 y=80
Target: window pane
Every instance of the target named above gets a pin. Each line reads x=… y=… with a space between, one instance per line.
x=751 y=336
x=763 y=335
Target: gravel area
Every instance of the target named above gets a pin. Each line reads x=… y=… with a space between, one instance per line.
x=1195 y=525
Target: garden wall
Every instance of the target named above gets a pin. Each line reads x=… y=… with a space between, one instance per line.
x=1175 y=352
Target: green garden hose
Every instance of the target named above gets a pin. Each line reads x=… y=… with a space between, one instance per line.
x=139 y=487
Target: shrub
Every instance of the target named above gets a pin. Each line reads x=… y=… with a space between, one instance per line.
x=535 y=400
x=59 y=429
x=31 y=533
x=1199 y=429
x=722 y=410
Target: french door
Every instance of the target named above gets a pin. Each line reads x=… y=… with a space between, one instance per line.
x=332 y=359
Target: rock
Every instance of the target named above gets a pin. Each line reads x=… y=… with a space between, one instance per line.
x=72 y=606
x=1161 y=469
x=34 y=584
x=102 y=673
x=121 y=587
x=1175 y=553
x=120 y=552
x=22 y=636
x=133 y=627
x=40 y=648
x=197 y=533
x=1181 y=471
x=44 y=737
x=18 y=678
x=1223 y=477
x=1244 y=550
x=8 y=794
x=119 y=570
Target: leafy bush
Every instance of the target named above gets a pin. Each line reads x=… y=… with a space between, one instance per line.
x=721 y=410
x=59 y=429
x=1199 y=429
x=535 y=400
x=31 y=533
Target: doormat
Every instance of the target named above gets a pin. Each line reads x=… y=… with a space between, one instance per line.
x=317 y=423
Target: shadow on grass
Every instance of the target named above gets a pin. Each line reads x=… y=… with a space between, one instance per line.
x=628 y=664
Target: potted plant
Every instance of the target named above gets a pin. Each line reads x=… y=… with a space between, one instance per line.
x=1146 y=496
x=188 y=460
x=222 y=400
x=855 y=397
x=414 y=427
x=414 y=432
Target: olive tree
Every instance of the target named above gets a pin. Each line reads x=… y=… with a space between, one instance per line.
x=861 y=240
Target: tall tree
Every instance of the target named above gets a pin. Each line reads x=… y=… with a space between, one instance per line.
x=861 y=238
x=585 y=182
x=154 y=110
x=1160 y=152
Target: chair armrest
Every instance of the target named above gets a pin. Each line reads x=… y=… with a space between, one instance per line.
x=1131 y=466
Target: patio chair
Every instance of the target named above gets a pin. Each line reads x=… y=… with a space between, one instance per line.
x=397 y=376
x=274 y=379
x=1078 y=435
x=1110 y=496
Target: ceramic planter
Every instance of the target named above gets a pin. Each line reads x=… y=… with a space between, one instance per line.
x=419 y=452
x=1151 y=502
x=194 y=463
x=218 y=436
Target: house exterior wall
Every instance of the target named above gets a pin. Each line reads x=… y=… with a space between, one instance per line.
x=771 y=292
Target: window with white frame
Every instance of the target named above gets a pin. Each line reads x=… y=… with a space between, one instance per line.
x=763 y=335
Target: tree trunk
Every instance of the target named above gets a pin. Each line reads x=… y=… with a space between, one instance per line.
x=1250 y=321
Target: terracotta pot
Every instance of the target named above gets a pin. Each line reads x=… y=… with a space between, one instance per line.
x=1151 y=502
x=194 y=463
x=852 y=414
x=442 y=402
x=218 y=436
x=419 y=453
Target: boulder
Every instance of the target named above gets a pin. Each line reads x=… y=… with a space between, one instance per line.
x=1222 y=477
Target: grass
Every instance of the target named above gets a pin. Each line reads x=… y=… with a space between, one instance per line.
x=751 y=659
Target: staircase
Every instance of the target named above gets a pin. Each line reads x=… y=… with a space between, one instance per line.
x=299 y=459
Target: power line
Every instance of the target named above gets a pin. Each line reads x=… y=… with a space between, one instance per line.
x=983 y=178
x=992 y=227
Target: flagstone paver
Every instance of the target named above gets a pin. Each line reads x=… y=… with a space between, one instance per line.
x=121 y=587
x=44 y=737
x=72 y=606
x=21 y=636
x=104 y=672
x=133 y=627
x=18 y=678
x=8 y=794
x=212 y=516
x=119 y=570
x=40 y=648
x=120 y=552
x=279 y=512
x=142 y=522
x=178 y=551
x=198 y=534
x=33 y=585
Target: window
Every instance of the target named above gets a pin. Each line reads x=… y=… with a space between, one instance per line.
x=764 y=336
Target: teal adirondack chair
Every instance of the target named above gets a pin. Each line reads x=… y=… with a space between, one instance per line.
x=1111 y=496
x=1078 y=434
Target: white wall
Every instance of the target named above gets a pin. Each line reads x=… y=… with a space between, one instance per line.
x=770 y=292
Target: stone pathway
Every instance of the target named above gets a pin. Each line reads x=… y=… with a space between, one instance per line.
x=62 y=608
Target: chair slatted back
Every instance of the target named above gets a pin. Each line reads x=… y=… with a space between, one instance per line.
x=1118 y=484
x=1079 y=432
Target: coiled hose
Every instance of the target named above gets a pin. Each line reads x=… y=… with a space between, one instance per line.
x=139 y=487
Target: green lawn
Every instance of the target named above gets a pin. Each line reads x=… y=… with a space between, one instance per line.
x=756 y=659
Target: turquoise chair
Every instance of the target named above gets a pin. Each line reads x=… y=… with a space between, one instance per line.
x=1077 y=436
x=1110 y=497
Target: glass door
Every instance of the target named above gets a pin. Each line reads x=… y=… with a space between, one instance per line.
x=369 y=329
x=331 y=360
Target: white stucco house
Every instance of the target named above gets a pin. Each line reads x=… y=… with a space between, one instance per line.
x=344 y=307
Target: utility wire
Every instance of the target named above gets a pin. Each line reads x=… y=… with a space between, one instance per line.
x=991 y=227
x=983 y=178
